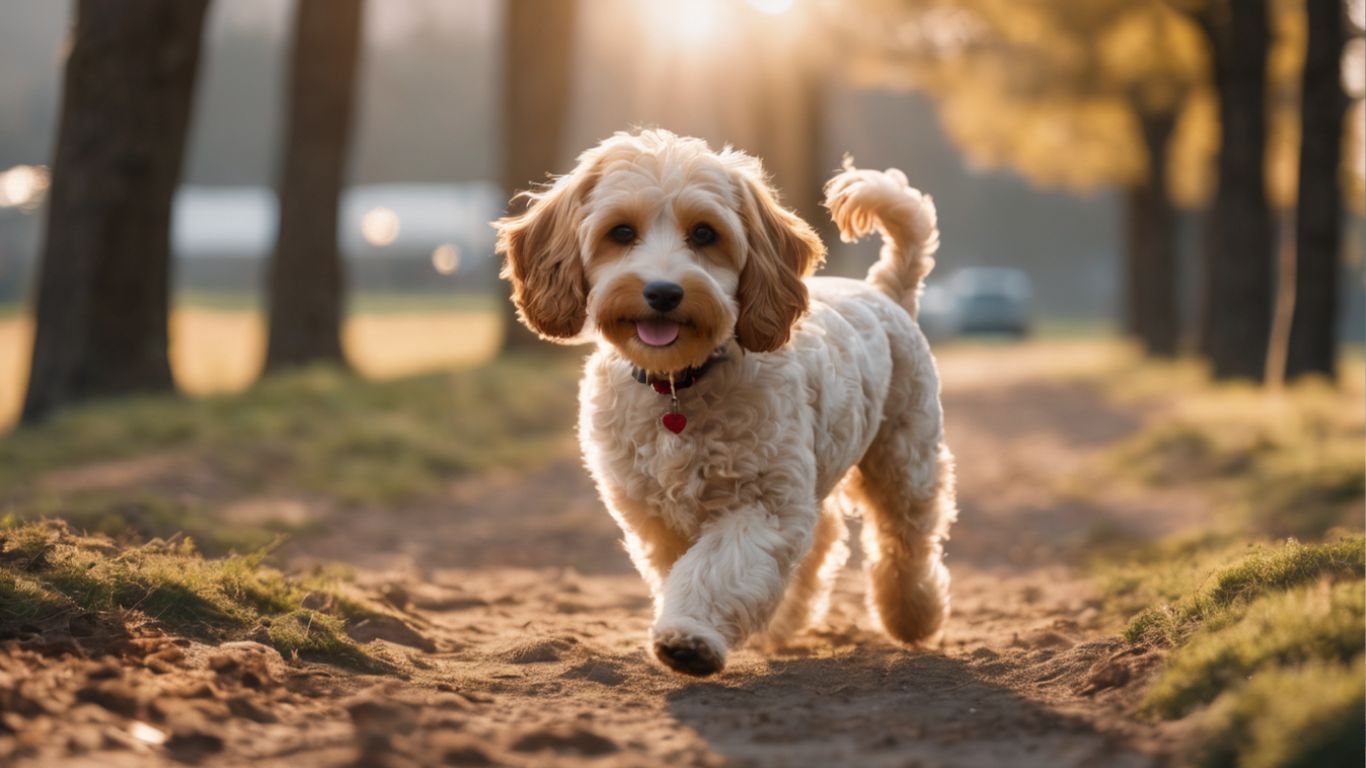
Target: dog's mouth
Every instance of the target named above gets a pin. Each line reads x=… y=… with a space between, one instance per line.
x=661 y=341
x=657 y=332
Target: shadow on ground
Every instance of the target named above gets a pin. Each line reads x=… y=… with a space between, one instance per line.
x=888 y=707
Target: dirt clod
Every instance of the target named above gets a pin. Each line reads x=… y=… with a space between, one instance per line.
x=373 y=712
x=249 y=664
x=565 y=739
x=389 y=628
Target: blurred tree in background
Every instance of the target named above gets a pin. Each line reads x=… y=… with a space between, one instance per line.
x=307 y=276
x=1077 y=94
x=1318 y=223
x=537 y=80
x=786 y=79
x=1155 y=65
x=1237 y=288
x=103 y=288
x=1163 y=99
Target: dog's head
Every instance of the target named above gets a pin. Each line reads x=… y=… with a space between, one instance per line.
x=663 y=248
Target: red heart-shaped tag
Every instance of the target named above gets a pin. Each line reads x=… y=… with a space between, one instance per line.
x=674 y=422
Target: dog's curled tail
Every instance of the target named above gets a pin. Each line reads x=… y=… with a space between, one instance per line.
x=861 y=201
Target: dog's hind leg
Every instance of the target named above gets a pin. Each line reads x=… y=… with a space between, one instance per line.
x=808 y=594
x=904 y=485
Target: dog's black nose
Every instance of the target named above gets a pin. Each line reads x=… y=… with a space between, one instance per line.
x=663 y=296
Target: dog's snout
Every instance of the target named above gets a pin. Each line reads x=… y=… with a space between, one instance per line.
x=663 y=296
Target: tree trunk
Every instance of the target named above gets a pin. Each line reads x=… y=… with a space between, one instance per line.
x=1318 y=229
x=1282 y=309
x=308 y=276
x=1153 y=315
x=1209 y=250
x=1238 y=278
x=104 y=284
x=1136 y=249
x=538 y=65
x=789 y=135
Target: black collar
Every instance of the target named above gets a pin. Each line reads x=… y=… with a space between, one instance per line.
x=681 y=379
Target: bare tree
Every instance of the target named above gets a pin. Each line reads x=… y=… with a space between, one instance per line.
x=307 y=276
x=1238 y=268
x=538 y=59
x=1318 y=230
x=1153 y=316
x=104 y=285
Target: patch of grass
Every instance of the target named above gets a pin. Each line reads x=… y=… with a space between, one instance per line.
x=1135 y=575
x=1264 y=641
x=1287 y=464
x=1306 y=716
x=139 y=515
x=324 y=431
x=1261 y=572
x=1321 y=623
x=50 y=576
x=313 y=634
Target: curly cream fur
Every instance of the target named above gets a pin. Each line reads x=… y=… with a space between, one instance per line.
x=735 y=523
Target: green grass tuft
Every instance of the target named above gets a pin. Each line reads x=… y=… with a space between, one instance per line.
x=324 y=431
x=312 y=634
x=140 y=514
x=319 y=437
x=1317 y=623
x=1262 y=571
x=50 y=576
x=1306 y=716
x=1266 y=640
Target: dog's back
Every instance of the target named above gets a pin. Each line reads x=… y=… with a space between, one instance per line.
x=860 y=337
x=902 y=479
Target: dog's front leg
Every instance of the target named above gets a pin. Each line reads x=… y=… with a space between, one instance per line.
x=729 y=582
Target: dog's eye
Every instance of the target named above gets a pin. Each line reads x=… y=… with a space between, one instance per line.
x=623 y=234
x=702 y=235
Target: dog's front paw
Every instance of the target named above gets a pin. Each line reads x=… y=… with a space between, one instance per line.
x=693 y=651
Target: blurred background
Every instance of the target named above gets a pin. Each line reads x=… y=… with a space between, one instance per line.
x=1074 y=150
x=248 y=304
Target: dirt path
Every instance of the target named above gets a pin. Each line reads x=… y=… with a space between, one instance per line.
x=534 y=627
x=520 y=581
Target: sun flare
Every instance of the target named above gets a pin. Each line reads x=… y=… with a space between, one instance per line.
x=772 y=7
x=691 y=25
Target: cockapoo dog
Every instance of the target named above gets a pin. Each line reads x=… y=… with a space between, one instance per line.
x=734 y=400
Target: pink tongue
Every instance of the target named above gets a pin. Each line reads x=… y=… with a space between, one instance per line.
x=657 y=333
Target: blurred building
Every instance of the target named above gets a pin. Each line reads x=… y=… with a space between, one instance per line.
x=396 y=238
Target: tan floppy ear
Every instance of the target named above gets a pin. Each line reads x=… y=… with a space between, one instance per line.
x=542 y=259
x=783 y=249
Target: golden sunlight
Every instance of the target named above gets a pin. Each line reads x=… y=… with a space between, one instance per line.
x=694 y=24
x=772 y=7
x=23 y=186
x=379 y=227
x=446 y=258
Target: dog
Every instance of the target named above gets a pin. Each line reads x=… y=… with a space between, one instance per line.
x=735 y=405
